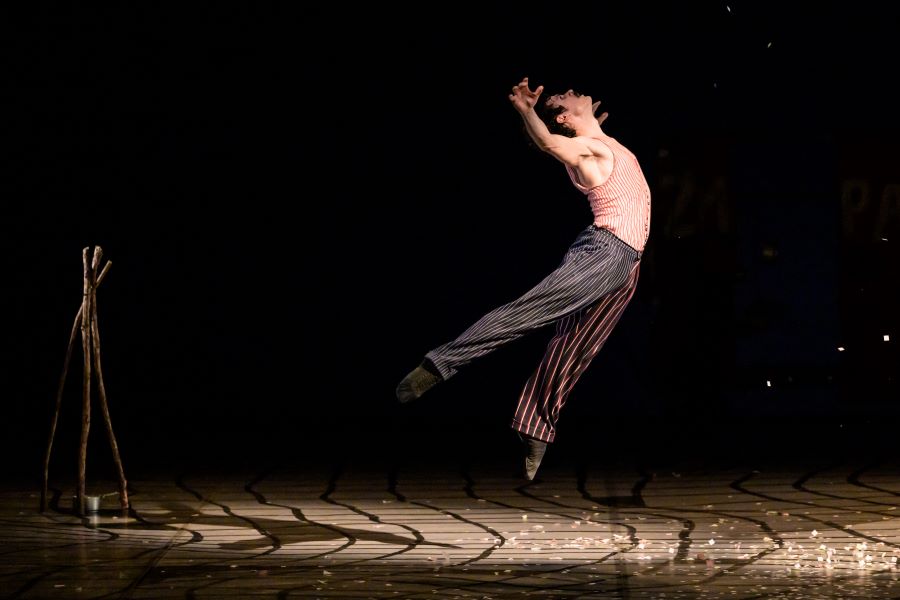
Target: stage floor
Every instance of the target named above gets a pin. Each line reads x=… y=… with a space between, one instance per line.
x=475 y=532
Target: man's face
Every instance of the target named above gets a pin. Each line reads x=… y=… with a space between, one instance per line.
x=571 y=101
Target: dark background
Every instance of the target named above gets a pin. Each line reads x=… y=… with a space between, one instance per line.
x=300 y=202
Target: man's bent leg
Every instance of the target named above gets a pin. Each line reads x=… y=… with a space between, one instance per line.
x=578 y=339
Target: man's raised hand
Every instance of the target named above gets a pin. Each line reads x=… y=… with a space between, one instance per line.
x=602 y=117
x=523 y=98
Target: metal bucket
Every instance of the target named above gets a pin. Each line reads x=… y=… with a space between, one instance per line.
x=92 y=503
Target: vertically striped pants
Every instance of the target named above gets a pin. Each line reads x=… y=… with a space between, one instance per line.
x=586 y=295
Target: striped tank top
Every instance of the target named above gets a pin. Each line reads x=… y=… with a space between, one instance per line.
x=621 y=204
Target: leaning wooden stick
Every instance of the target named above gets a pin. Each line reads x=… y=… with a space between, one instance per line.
x=104 y=406
x=59 y=390
x=85 y=383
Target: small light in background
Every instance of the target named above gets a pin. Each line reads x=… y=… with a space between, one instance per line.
x=840 y=348
x=887 y=338
x=768 y=384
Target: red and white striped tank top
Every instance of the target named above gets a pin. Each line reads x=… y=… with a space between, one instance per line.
x=621 y=204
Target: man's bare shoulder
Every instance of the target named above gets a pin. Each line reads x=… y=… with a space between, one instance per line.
x=597 y=146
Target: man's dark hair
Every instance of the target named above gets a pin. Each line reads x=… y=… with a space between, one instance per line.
x=548 y=115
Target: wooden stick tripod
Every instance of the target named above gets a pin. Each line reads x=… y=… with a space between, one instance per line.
x=86 y=321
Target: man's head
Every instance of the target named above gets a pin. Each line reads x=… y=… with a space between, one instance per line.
x=563 y=113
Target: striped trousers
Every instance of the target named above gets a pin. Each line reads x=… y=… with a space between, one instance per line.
x=585 y=295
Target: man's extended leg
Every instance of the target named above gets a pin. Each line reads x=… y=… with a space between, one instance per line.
x=595 y=265
x=584 y=276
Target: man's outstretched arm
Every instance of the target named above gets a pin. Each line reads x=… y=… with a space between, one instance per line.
x=567 y=150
